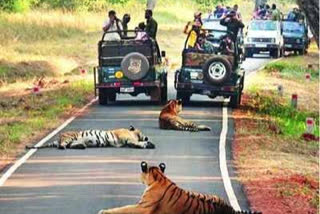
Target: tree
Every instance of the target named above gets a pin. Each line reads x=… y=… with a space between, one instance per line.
x=311 y=10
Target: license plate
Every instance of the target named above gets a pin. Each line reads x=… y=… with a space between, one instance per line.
x=127 y=89
x=261 y=45
x=288 y=46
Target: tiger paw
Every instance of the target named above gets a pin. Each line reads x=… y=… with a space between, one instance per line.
x=149 y=145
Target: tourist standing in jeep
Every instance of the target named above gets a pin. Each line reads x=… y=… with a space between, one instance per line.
x=112 y=24
x=152 y=25
x=232 y=23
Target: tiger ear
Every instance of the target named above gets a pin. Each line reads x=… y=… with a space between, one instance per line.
x=144 y=166
x=132 y=128
x=162 y=167
x=179 y=102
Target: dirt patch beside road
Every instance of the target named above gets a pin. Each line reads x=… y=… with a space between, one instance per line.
x=278 y=167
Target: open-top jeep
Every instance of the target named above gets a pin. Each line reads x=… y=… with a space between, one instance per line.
x=130 y=66
x=216 y=74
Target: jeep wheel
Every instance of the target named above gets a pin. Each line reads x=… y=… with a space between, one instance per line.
x=217 y=70
x=135 y=66
x=235 y=100
x=301 y=52
x=106 y=96
x=164 y=90
x=275 y=53
x=185 y=97
x=164 y=95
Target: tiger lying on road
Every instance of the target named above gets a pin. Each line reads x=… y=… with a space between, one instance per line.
x=169 y=119
x=99 y=138
x=164 y=197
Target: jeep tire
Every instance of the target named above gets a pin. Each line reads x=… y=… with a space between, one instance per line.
x=275 y=53
x=235 y=100
x=106 y=96
x=184 y=96
x=217 y=70
x=135 y=66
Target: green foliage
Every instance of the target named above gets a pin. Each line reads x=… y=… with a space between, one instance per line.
x=16 y=5
x=43 y=112
x=290 y=120
x=291 y=70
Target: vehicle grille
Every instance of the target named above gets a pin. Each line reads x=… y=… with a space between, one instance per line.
x=290 y=40
x=262 y=40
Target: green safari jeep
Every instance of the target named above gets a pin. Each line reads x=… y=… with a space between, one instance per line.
x=130 y=66
x=216 y=74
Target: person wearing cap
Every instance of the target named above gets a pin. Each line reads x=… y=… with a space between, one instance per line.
x=152 y=25
x=232 y=23
x=193 y=35
x=113 y=24
x=197 y=19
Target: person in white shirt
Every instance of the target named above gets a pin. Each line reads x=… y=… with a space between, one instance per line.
x=141 y=34
x=112 y=24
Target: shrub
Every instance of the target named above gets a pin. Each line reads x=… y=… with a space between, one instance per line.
x=16 y=5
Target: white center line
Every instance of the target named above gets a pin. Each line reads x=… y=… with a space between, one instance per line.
x=223 y=162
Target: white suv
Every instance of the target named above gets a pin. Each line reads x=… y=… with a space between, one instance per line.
x=264 y=35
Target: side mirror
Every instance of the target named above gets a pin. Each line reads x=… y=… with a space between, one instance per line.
x=163 y=54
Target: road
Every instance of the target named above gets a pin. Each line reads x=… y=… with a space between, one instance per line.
x=85 y=181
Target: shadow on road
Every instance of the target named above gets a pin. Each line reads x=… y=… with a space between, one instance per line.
x=130 y=103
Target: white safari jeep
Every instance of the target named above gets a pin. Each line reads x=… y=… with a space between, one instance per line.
x=264 y=35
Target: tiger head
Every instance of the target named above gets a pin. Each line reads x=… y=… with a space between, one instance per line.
x=151 y=174
x=173 y=107
x=141 y=137
x=138 y=134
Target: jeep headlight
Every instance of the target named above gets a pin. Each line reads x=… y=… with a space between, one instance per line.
x=298 y=40
x=119 y=74
x=273 y=40
x=249 y=40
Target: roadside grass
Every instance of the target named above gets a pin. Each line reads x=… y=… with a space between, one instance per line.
x=275 y=163
x=54 y=44
x=23 y=117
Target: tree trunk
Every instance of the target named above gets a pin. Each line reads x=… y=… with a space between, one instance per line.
x=311 y=10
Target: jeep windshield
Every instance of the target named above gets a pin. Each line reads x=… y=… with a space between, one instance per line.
x=293 y=27
x=214 y=25
x=263 y=26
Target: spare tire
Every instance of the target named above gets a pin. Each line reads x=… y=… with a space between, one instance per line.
x=135 y=66
x=217 y=70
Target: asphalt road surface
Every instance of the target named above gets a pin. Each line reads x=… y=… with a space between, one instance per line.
x=85 y=181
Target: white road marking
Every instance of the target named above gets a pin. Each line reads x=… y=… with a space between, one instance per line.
x=24 y=158
x=223 y=162
x=222 y=149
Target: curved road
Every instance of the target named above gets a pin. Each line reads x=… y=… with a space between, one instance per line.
x=85 y=181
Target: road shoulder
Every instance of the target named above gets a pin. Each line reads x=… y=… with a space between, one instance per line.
x=277 y=165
